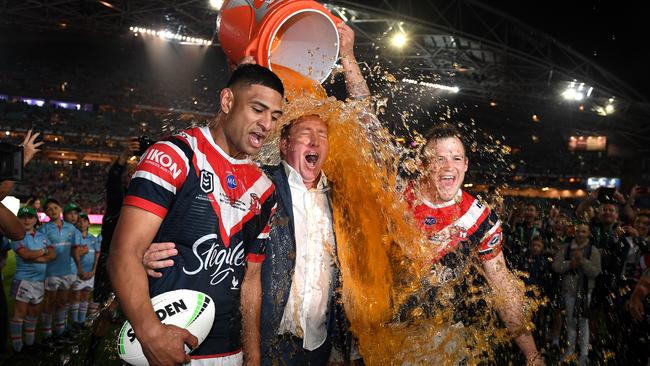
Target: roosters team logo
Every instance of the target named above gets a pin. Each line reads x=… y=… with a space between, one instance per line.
x=256 y=206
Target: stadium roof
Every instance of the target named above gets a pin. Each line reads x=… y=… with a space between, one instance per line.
x=488 y=54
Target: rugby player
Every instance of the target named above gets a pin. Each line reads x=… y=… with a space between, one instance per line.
x=63 y=236
x=199 y=190
x=462 y=225
x=28 y=286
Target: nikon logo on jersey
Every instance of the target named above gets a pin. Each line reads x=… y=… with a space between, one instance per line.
x=164 y=160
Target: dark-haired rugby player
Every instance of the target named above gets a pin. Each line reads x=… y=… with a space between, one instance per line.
x=199 y=190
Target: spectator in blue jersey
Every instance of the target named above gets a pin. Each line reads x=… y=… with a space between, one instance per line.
x=90 y=247
x=199 y=190
x=11 y=228
x=28 y=286
x=71 y=216
x=59 y=279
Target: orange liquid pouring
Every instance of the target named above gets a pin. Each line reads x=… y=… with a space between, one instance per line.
x=382 y=256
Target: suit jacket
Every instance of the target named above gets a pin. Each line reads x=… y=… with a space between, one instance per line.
x=278 y=268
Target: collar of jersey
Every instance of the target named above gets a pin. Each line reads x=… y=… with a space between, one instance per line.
x=205 y=130
x=443 y=204
x=295 y=179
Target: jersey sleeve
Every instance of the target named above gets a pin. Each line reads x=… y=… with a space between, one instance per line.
x=14 y=245
x=160 y=174
x=491 y=237
x=257 y=230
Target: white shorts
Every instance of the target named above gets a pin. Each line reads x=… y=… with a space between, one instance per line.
x=233 y=360
x=54 y=283
x=31 y=292
x=81 y=285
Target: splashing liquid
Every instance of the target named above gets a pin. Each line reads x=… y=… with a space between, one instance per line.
x=384 y=259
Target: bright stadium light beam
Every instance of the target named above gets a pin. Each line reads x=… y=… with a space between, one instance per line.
x=577 y=92
x=451 y=89
x=399 y=40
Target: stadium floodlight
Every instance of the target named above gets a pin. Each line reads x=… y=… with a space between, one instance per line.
x=608 y=109
x=576 y=92
x=399 y=39
x=451 y=89
x=216 y=4
x=170 y=36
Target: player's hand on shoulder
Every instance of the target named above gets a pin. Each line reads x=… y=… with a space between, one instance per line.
x=164 y=345
x=157 y=257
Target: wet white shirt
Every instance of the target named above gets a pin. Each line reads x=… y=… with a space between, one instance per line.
x=305 y=314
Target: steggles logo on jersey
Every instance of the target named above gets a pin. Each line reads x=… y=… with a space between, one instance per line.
x=211 y=256
x=207 y=181
x=161 y=159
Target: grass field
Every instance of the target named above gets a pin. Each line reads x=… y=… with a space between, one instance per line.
x=71 y=355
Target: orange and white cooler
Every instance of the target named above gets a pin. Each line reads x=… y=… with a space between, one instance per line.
x=296 y=34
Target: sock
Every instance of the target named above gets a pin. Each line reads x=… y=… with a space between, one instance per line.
x=65 y=316
x=16 y=328
x=74 y=313
x=47 y=325
x=30 y=330
x=59 y=326
x=83 y=309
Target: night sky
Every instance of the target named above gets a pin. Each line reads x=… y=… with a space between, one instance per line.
x=614 y=34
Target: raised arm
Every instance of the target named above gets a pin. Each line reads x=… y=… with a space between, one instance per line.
x=355 y=84
x=161 y=344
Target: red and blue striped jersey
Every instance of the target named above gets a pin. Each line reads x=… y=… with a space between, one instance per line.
x=463 y=220
x=216 y=209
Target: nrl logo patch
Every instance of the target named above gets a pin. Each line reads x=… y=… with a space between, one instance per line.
x=207 y=181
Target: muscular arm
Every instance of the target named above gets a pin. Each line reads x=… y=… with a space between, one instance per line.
x=251 y=303
x=135 y=230
x=509 y=304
